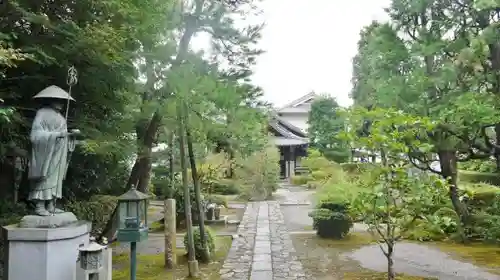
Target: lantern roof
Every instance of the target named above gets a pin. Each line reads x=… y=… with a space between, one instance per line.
x=133 y=195
x=92 y=247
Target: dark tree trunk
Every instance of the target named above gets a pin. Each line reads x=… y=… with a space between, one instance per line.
x=390 y=261
x=448 y=163
x=197 y=191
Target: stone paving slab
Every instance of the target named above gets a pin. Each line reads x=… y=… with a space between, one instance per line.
x=238 y=262
x=263 y=250
x=286 y=265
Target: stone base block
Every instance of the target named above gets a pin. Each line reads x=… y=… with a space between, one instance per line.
x=52 y=221
x=43 y=253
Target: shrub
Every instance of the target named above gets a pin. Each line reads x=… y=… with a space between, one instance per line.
x=98 y=210
x=356 y=167
x=479 y=177
x=11 y=213
x=478 y=165
x=197 y=242
x=315 y=162
x=258 y=173
x=337 y=155
x=313 y=185
x=300 y=180
x=331 y=218
x=224 y=187
x=217 y=199
x=179 y=204
x=319 y=175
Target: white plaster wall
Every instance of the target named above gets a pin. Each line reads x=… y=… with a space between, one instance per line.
x=298 y=120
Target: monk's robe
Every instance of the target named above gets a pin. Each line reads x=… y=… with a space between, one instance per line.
x=49 y=154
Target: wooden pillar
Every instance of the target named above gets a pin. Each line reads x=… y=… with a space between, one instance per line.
x=291 y=163
x=170 y=233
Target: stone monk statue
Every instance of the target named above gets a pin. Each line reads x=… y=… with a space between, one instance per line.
x=51 y=142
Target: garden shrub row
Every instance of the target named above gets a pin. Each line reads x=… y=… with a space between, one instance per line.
x=479 y=177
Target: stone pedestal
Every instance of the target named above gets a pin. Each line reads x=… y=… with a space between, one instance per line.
x=43 y=253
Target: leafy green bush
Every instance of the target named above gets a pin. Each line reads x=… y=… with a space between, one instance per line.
x=179 y=205
x=331 y=218
x=479 y=177
x=312 y=185
x=225 y=187
x=198 y=249
x=300 y=180
x=217 y=199
x=319 y=175
x=478 y=165
x=356 y=167
x=337 y=155
x=11 y=213
x=98 y=210
x=258 y=173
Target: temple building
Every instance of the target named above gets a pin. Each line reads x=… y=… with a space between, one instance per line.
x=289 y=127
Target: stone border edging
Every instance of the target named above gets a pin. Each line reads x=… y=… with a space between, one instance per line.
x=238 y=262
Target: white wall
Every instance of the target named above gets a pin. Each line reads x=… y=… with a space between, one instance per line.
x=297 y=119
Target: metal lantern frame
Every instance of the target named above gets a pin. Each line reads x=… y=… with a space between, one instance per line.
x=133 y=217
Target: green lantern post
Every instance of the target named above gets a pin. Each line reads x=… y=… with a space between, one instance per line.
x=133 y=223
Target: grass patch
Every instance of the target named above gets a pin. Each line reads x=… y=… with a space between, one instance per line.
x=483 y=255
x=151 y=267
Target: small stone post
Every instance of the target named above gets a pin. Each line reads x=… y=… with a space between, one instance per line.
x=170 y=233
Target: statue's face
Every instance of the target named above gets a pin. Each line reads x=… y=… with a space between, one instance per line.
x=58 y=105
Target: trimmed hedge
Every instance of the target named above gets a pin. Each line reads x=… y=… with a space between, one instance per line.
x=300 y=180
x=355 y=167
x=331 y=218
x=479 y=177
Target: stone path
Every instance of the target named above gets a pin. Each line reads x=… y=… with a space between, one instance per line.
x=263 y=250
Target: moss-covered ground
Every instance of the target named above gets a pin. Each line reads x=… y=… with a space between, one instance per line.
x=483 y=255
x=151 y=267
x=324 y=259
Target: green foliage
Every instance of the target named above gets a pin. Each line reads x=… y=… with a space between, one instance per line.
x=337 y=155
x=355 y=167
x=225 y=187
x=198 y=249
x=180 y=205
x=258 y=173
x=97 y=210
x=324 y=125
x=331 y=218
x=479 y=177
x=300 y=180
x=478 y=166
x=217 y=199
x=11 y=213
x=312 y=185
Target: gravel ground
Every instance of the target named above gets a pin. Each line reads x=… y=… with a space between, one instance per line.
x=329 y=260
x=420 y=260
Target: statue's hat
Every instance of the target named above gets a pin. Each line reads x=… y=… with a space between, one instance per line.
x=54 y=92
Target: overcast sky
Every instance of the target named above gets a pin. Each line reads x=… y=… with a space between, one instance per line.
x=309 y=46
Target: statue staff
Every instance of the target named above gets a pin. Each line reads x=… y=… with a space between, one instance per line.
x=71 y=80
